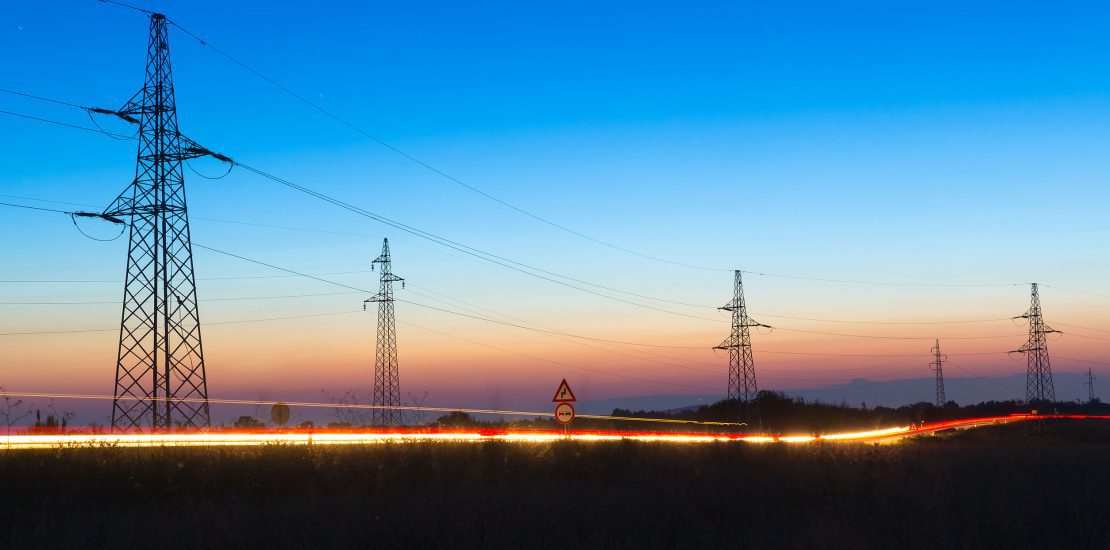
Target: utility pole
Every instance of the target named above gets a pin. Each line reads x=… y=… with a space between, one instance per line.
x=937 y=366
x=741 y=364
x=387 y=381
x=1038 y=378
x=1090 y=383
x=160 y=372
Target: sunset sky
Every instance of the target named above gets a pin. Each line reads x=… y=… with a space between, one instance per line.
x=959 y=150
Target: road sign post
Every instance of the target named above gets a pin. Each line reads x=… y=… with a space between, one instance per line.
x=564 y=411
x=563 y=394
x=279 y=413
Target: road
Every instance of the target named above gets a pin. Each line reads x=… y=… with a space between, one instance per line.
x=225 y=437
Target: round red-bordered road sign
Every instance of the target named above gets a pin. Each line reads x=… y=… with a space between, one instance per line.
x=564 y=413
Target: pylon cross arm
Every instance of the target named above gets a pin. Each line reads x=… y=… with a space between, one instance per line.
x=729 y=343
x=191 y=150
x=131 y=107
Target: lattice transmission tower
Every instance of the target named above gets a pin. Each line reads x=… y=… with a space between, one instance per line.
x=160 y=371
x=741 y=364
x=938 y=367
x=1090 y=383
x=1038 y=377
x=387 y=381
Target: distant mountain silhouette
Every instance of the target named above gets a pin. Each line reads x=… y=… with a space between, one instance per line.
x=892 y=393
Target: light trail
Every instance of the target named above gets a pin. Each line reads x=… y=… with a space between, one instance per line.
x=310 y=404
x=254 y=437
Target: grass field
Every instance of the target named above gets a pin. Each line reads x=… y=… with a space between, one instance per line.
x=993 y=487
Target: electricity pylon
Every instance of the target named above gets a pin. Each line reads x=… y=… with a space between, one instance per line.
x=1090 y=383
x=741 y=364
x=387 y=381
x=1038 y=377
x=160 y=376
x=938 y=367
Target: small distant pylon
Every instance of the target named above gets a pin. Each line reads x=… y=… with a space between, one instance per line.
x=938 y=367
x=741 y=364
x=1090 y=383
x=1038 y=378
x=387 y=380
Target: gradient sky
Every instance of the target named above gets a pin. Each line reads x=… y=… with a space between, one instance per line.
x=934 y=142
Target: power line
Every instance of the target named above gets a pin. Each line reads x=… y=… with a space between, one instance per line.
x=261 y=225
x=502 y=261
x=21 y=197
x=66 y=124
x=116 y=281
x=284 y=318
x=232 y=322
x=814 y=354
x=881 y=337
x=602 y=340
x=511 y=264
x=33 y=208
x=73 y=331
x=284 y=227
x=505 y=262
x=241 y=277
x=560 y=363
x=1103 y=363
x=974 y=321
x=1081 y=327
x=546 y=331
x=41 y=98
x=550 y=332
x=559 y=333
x=959 y=322
x=877 y=283
x=287 y=270
x=226 y=299
x=457 y=313
x=1077 y=291
x=429 y=236
x=640 y=355
x=994 y=381
x=884 y=364
x=637 y=354
x=644 y=296
x=750 y=272
x=618 y=342
x=128 y=6
x=429 y=167
x=516 y=325
x=421 y=233
x=539 y=218
x=1088 y=337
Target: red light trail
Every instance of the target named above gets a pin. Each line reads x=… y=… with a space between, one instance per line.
x=252 y=437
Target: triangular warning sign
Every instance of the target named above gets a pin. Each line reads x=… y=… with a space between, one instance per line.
x=563 y=394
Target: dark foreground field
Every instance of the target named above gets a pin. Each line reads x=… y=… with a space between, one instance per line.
x=997 y=487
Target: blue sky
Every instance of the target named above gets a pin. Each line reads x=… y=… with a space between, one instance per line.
x=942 y=142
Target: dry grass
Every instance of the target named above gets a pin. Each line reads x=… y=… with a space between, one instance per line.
x=1001 y=487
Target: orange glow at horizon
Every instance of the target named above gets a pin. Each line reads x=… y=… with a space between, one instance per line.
x=336 y=353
